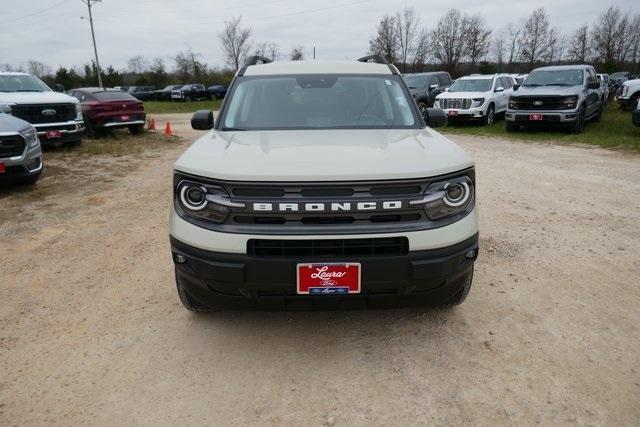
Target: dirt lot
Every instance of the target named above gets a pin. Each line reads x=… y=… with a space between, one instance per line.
x=91 y=330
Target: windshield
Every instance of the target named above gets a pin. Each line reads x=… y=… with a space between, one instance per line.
x=113 y=95
x=415 y=82
x=555 y=78
x=22 y=83
x=471 y=85
x=319 y=102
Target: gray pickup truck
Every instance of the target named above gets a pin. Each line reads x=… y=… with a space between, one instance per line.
x=567 y=95
x=20 y=152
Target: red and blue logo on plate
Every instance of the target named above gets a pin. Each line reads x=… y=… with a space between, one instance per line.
x=329 y=278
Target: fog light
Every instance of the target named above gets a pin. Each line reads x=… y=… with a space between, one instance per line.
x=471 y=254
x=179 y=259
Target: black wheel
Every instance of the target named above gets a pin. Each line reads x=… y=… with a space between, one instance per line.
x=74 y=143
x=511 y=126
x=598 y=116
x=631 y=104
x=30 y=180
x=188 y=301
x=91 y=130
x=461 y=295
x=490 y=118
x=136 y=129
x=578 y=125
x=422 y=106
x=188 y=98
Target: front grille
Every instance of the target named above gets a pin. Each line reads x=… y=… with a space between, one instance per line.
x=44 y=113
x=531 y=103
x=337 y=247
x=11 y=146
x=455 y=103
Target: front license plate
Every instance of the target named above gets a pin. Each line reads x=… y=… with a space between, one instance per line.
x=453 y=113
x=535 y=117
x=125 y=118
x=3 y=168
x=51 y=134
x=329 y=279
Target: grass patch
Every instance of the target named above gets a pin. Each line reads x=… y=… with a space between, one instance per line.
x=615 y=130
x=121 y=143
x=159 y=107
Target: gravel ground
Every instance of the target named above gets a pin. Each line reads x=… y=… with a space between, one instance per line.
x=91 y=330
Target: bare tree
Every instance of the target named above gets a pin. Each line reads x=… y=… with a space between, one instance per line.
x=634 y=54
x=448 y=41
x=421 y=51
x=38 y=68
x=297 y=53
x=535 y=38
x=188 y=65
x=514 y=41
x=556 y=45
x=385 y=42
x=273 y=51
x=612 y=36
x=137 y=64
x=579 y=48
x=236 y=42
x=407 y=29
x=478 y=38
x=498 y=47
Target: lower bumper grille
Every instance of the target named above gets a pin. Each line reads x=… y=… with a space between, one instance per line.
x=337 y=247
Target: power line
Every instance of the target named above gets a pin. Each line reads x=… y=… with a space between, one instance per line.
x=90 y=3
x=35 y=13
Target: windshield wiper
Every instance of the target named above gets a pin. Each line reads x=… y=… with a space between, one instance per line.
x=557 y=84
x=531 y=85
x=232 y=129
x=28 y=90
x=412 y=87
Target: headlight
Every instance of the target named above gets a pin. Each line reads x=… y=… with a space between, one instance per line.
x=5 y=108
x=513 y=103
x=30 y=137
x=570 y=102
x=477 y=102
x=447 y=198
x=203 y=201
x=78 y=111
x=625 y=90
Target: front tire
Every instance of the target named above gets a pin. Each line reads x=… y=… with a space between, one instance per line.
x=462 y=294
x=490 y=117
x=578 y=126
x=511 y=126
x=188 y=98
x=136 y=129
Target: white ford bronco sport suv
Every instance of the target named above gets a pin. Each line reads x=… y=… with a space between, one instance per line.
x=477 y=97
x=56 y=116
x=320 y=186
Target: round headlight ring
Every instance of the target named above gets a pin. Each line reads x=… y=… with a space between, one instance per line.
x=459 y=200
x=193 y=197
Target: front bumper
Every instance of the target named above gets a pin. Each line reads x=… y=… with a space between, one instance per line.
x=454 y=114
x=23 y=166
x=548 y=116
x=69 y=131
x=220 y=280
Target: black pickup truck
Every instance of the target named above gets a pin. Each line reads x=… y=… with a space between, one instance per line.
x=190 y=92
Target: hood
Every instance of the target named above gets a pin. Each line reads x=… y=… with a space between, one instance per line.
x=463 y=95
x=323 y=155
x=8 y=123
x=549 y=90
x=36 y=98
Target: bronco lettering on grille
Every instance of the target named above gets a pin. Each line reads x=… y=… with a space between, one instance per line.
x=327 y=207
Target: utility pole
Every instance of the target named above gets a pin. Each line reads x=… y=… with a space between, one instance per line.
x=90 y=3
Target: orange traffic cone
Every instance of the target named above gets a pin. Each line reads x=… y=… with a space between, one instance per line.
x=167 y=130
x=152 y=124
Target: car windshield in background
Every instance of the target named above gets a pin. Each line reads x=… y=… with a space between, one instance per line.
x=471 y=85
x=319 y=102
x=22 y=83
x=555 y=78
x=415 y=82
x=113 y=95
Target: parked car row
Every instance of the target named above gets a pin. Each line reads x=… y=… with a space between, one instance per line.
x=179 y=93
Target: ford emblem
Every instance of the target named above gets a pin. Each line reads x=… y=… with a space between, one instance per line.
x=537 y=103
x=49 y=112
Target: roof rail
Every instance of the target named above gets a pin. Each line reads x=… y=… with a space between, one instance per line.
x=379 y=59
x=253 y=60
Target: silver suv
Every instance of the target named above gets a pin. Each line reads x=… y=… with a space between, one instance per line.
x=20 y=152
x=566 y=95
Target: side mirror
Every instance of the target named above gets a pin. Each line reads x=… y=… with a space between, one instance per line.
x=516 y=86
x=59 y=88
x=593 y=85
x=499 y=89
x=433 y=87
x=202 y=120
x=435 y=117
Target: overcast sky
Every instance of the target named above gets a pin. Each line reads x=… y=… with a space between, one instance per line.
x=53 y=32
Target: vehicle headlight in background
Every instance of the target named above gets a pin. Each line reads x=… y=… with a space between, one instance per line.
x=203 y=201
x=5 y=108
x=477 y=102
x=447 y=198
x=31 y=137
x=513 y=103
x=625 y=90
x=570 y=102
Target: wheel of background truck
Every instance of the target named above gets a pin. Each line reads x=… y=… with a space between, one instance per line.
x=633 y=101
x=490 y=117
x=74 y=143
x=188 y=302
x=511 y=126
x=422 y=106
x=188 y=98
x=578 y=125
x=598 y=116
x=461 y=295
x=136 y=129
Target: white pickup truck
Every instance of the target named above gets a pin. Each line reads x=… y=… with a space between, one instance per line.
x=56 y=116
x=320 y=185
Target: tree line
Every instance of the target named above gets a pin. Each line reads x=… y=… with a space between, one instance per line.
x=462 y=43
